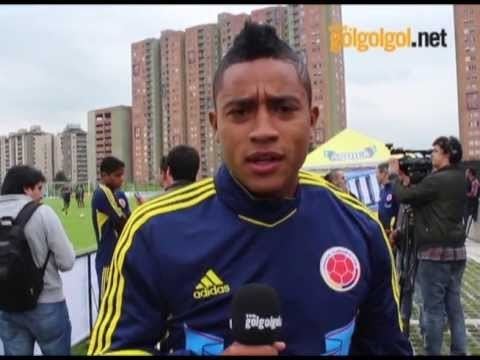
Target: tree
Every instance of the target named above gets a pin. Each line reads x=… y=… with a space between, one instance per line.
x=60 y=176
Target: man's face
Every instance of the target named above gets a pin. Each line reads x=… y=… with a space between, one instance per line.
x=115 y=179
x=439 y=158
x=381 y=176
x=339 y=180
x=36 y=192
x=467 y=174
x=264 y=123
x=167 y=178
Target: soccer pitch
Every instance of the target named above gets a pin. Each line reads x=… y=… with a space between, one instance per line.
x=78 y=222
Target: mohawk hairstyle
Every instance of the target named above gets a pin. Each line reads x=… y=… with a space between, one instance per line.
x=258 y=41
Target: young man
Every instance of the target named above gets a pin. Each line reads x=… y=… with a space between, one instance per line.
x=388 y=206
x=110 y=211
x=180 y=168
x=66 y=196
x=438 y=203
x=182 y=257
x=79 y=194
x=48 y=323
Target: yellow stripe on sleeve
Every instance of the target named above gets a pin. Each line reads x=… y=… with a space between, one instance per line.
x=111 y=200
x=176 y=200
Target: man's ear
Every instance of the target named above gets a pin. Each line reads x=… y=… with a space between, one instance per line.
x=314 y=113
x=212 y=116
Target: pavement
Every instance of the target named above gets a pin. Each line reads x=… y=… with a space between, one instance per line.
x=473 y=249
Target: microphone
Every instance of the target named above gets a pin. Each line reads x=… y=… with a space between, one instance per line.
x=256 y=318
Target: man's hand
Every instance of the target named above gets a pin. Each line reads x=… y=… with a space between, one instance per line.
x=237 y=349
x=392 y=237
x=405 y=179
x=140 y=199
x=393 y=167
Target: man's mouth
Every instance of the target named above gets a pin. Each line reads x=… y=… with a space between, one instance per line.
x=264 y=162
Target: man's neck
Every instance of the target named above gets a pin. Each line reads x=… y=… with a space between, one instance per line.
x=108 y=186
x=443 y=166
x=288 y=194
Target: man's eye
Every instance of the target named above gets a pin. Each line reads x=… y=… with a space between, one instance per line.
x=237 y=112
x=284 y=108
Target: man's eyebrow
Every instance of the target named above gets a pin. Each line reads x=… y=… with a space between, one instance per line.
x=283 y=98
x=245 y=101
x=240 y=101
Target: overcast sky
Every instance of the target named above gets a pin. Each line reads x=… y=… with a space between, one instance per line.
x=58 y=62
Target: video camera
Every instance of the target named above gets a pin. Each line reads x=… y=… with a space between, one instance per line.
x=415 y=163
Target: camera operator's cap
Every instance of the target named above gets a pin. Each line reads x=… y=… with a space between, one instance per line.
x=396 y=156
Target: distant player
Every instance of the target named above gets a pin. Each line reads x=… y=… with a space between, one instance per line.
x=66 y=196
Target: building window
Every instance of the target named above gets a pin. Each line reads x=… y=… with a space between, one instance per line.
x=473 y=101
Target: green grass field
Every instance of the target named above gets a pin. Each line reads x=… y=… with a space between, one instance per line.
x=78 y=223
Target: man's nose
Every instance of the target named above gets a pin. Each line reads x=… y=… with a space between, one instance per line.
x=264 y=129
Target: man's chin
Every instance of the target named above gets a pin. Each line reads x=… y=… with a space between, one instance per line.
x=266 y=189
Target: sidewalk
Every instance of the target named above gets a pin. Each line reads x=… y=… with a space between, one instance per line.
x=473 y=249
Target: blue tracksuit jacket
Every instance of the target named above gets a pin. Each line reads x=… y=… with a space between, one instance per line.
x=182 y=257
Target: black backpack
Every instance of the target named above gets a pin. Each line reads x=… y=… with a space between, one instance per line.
x=21 y=282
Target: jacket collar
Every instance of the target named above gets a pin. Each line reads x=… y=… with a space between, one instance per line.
x=448 y=167
x=264 y=212
x=177 y=184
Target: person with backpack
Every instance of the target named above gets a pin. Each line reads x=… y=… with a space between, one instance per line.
x=33 y=249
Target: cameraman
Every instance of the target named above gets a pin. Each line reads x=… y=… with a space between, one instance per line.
x=438 y=202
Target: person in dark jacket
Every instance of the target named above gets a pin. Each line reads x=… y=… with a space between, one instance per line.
x=438 y=203
x=472 y=195
x=180 y=167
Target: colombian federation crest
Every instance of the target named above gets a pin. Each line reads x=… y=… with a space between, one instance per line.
x=122 y=203
x=340 y=268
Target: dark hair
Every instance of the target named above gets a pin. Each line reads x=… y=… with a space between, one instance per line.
x=472 y=171
x=20 y=177
x=257 y=41
x=382 y=167
x=111 y=164
x=451 y=146
x=330 y=177
x=183 y=162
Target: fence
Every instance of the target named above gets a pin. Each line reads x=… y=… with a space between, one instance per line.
x=81 y=293
x=54 y=189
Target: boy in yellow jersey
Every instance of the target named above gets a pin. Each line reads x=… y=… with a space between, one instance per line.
x=110 y=211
